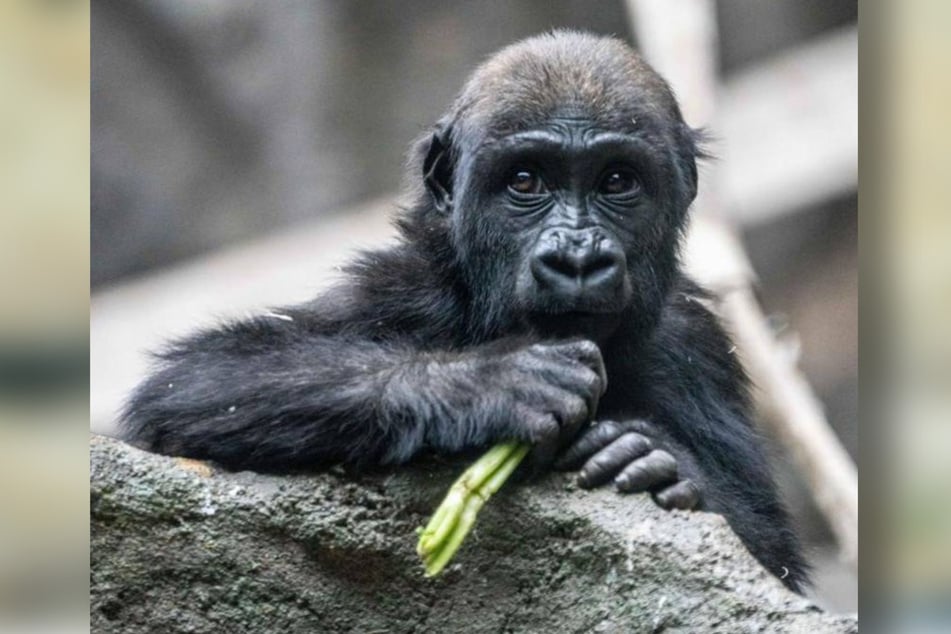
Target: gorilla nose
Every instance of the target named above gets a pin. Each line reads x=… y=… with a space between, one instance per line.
x=570 y=263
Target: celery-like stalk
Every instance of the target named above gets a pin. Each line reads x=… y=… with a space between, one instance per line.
x=455 y=517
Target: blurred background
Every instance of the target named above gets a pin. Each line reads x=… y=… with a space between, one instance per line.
x=240 y=151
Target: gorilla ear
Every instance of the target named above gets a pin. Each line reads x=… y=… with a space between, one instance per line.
x=438 y=171
x=692 y=149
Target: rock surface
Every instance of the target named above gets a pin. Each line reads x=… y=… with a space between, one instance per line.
x=178 y=546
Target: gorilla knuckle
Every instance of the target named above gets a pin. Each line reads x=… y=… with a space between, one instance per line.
x=634 y=444
x=640 y=426
x=587 y=352
x=573 y=409
x=689 y=489
x=588 y=348
x=683 y=495
x=539 y=349
x=661 y=460
x=543 y=428
x=597 y=464
x=592 y=383
x=606 y=428
x=602 y=435
x=656 y=468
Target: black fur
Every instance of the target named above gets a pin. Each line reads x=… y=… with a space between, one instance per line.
x=453 y=340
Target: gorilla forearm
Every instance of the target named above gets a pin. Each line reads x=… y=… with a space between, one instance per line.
x=300 y=401
x=305 y=399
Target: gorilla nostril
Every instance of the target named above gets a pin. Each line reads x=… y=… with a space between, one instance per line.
x=600 y=263
x=602 y=269
x=561 y=269
x=561 y=264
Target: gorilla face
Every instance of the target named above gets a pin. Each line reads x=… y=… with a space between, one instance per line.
x=563 y=173
x=568 y=220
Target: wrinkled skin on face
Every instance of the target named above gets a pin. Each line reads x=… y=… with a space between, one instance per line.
x=584 y=235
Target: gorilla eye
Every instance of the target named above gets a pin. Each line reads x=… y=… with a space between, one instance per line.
x=525 y=181
x=618 y=182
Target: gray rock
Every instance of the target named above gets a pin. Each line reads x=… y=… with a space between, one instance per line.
x=181 y=547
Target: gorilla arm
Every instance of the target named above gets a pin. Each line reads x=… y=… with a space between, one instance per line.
x=308 y=386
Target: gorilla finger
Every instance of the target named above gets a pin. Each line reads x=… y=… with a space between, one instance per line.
x=640 y=426
x=655 y=469
x=569 y=409
x=593 y=403
x=541 y=428
x=605 y=464
x=589 y=354
x=572 y=411
x=574 y=414
x=590 y=385
x=591 y=357
x=545 y=436
x=578 y=380
x=603 y=373
x=683 y=495
x=593 y=439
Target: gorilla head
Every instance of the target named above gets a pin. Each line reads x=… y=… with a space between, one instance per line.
x=563 y=172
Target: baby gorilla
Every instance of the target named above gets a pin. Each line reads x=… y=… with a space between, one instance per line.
x=535 y=289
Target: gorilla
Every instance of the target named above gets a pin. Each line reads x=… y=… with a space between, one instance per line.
x=534 y=294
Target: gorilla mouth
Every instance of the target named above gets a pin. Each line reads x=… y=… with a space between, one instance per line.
x=596 y=325
x=580 y=304
x=568 y=313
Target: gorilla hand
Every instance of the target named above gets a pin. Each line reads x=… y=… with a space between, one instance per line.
x=556 y=389
x=541 y=393
x=628 y=453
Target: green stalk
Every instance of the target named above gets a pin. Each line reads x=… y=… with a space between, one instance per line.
x=448 y=513
x=439 y=558
x=495 y=483
x=456 y=516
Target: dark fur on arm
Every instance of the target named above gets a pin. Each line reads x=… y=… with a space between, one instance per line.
x=305 y=386
x=262 y=394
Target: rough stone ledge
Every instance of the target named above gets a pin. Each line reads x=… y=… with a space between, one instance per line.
x=178 y=546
